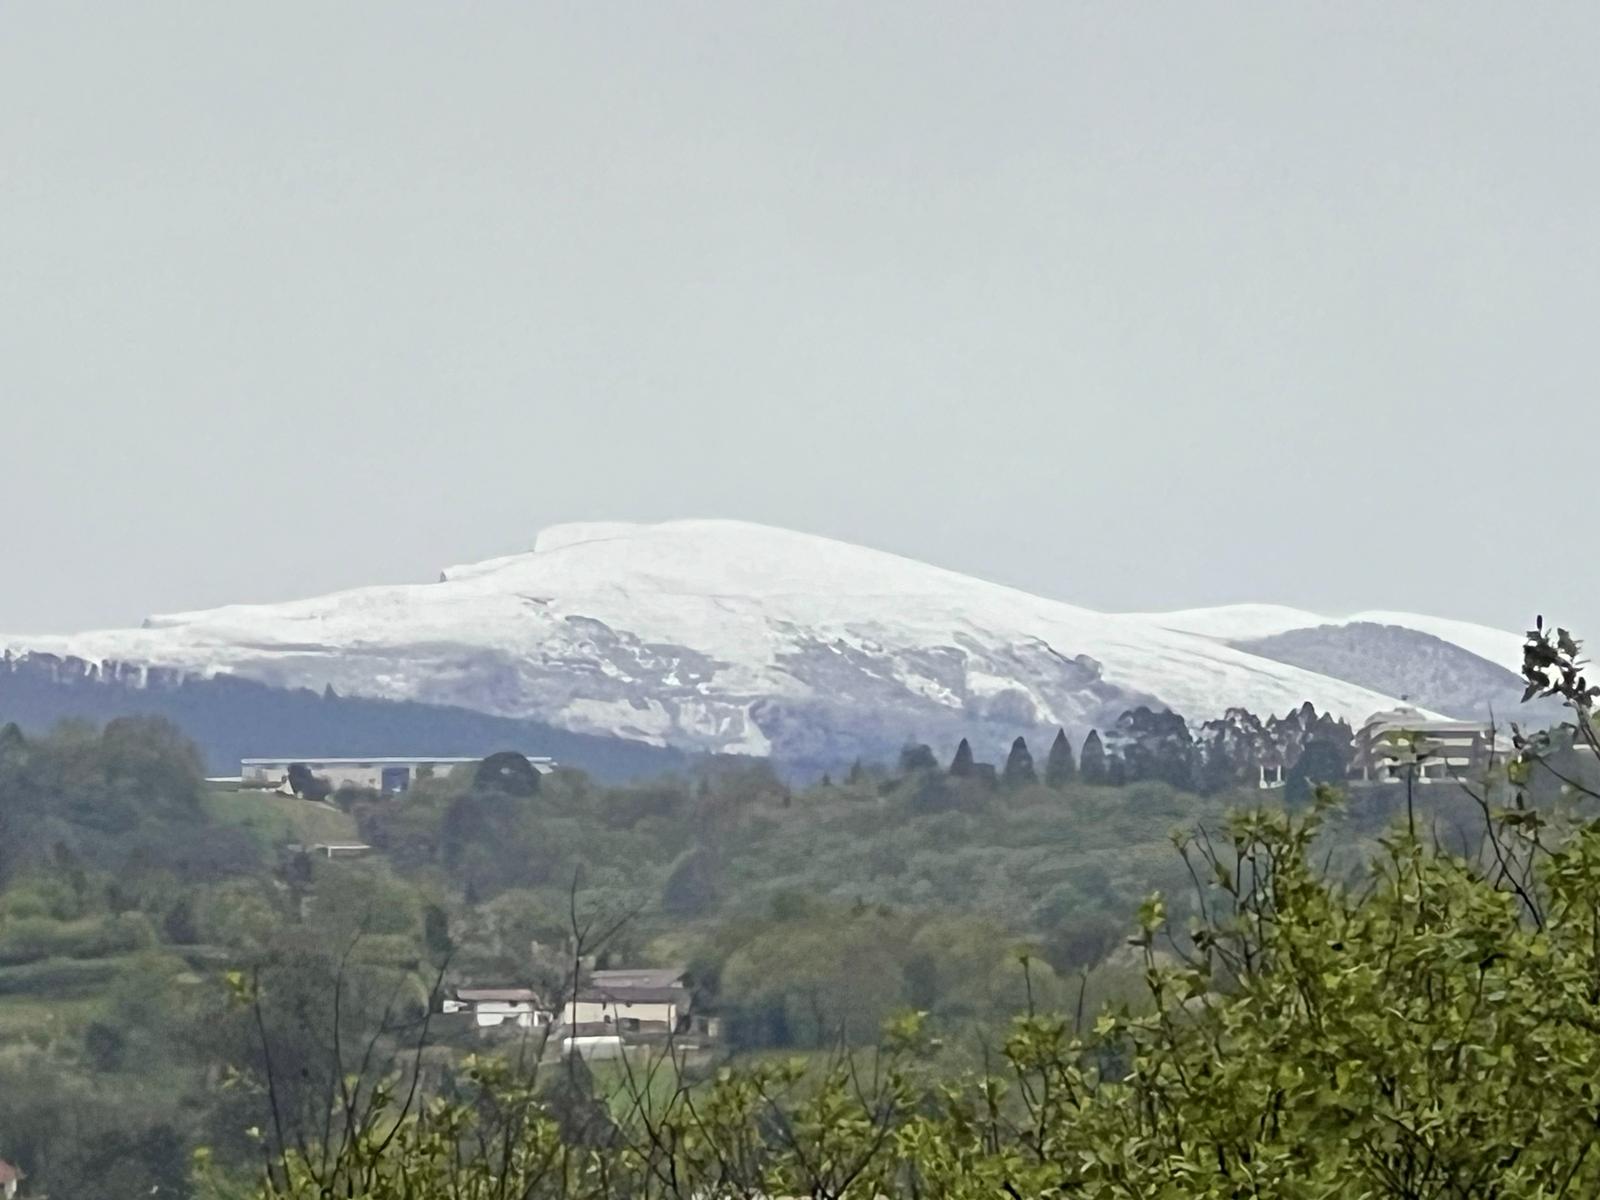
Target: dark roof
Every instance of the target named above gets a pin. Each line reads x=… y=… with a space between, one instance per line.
x=636 y=995
x=508 y=994
x=656 y=977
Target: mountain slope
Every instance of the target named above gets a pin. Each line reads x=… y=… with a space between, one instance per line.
x=1454 y=667
x=1427 y=670
x=230 y=718
x=721 y=635
x=1238 y=624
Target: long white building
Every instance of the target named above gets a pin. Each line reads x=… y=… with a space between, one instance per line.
x=1402 y=741
x=380 y=774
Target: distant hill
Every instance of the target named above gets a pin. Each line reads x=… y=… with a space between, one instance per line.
x=1430 y=671
x=728 y=637
x=231 y=718
x=725 y=637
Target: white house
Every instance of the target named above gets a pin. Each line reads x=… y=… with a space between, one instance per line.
x=495 y=1008
x=646 y=1000
x=10 y=1180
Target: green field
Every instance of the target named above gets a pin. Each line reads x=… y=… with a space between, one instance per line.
x=276 y=820
x=41 y=1020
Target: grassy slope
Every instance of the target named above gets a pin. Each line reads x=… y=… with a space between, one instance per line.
x=275 y=820
x=41 y=1001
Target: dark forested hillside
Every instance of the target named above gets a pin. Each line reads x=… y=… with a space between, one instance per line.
x=230 y=718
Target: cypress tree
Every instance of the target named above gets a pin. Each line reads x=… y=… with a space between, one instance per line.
x=1019 y=765
x=1059 y=769
x=1092 y=761
x=1116 y=770
x=961 y=764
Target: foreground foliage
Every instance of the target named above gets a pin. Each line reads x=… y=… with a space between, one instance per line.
x=1428 y=1027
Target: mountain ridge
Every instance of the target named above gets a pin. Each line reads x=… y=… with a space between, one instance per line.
x=725 y=636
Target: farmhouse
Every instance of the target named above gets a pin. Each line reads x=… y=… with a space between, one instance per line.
x=389 y=775
x=10 y=1180
x=639 y=1000
x=496 y=1008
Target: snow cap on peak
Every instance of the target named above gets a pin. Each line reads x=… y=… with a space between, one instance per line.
x=710 y=558
x=575 y=533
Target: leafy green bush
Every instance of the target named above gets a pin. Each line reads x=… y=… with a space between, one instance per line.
x=58 y=977
x=29 y=939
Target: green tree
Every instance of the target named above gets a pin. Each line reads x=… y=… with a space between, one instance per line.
x=1092 y=762
x=814 y=982
x=508 y=772
x=915 y=756
x=692 y=887
x=1019 y=770
x=1321 y=762
x=306 y=784
x=1059 y=769
x=962 y=766
x=1156 y=744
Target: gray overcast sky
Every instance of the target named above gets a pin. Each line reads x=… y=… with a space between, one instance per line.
x=1133 y=305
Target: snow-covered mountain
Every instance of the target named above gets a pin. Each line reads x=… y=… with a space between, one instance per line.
x=727 y=636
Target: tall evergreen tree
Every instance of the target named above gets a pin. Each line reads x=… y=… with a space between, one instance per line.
x=1019 y=765
x=961 y=764
x=1218 y=770
x=1116 y=769
x=1059 y=769
x=1092 y=761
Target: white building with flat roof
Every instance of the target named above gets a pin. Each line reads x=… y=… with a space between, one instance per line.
x=379 y=774
x=1405 y=741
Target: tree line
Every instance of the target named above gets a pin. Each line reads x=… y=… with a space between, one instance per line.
x=1159 y=745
